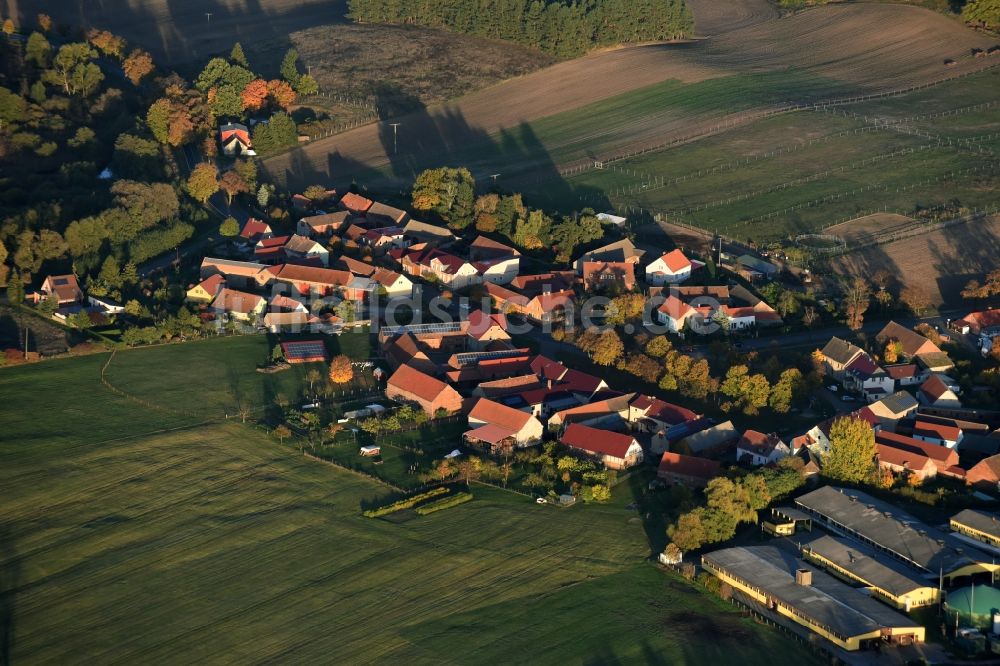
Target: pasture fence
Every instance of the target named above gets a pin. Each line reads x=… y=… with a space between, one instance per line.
x=919 y=229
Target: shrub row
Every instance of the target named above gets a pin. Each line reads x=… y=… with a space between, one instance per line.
x=405 y=503
x=444 y=503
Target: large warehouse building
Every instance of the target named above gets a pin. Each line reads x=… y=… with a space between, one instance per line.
x=783 y=584
x=890 y=530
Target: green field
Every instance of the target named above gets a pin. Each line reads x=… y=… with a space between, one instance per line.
x=773 y=172
x=135 y=534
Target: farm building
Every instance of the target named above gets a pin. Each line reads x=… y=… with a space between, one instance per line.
x=615 y=450
x=255 y=230
x=935 y=392
x=238 y=304
x=757 y=448
x=787 y=588
x=912 y=343
x=888 y=581
x=623 y=251
x=708 y=442
x=323 y=225
x=893 y=532
x=410 y=385
x=981 y=526
x=304 y=351
x=206 y=290
x=498 y=429
x=235 y=140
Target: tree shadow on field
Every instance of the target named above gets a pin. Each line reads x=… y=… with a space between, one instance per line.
x=179 y=32
x=511 y=160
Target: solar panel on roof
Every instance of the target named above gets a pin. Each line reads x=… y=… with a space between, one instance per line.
x=471 y=358
x=416 y=329
x=304 y=349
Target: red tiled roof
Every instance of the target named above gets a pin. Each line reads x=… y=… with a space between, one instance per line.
x=618 y=270
x=489 y=247
x=912 y=342
x=548 y=369
x=212 y=283
x=675 y=463
x=574 y=380
x=504 y=295
x=480 y=323
x=937 y=430
x=358 y=267
x=935 y=452
x=676 y=261
x=982 y=319
x=356 y=203
x=325 y=276
x=493 y=412
x=901 y=371
x=231 y=300
x=273 y=241
x=494 y=434
x=662 y=410
x=675 y=308
x=863 y=365
x=901 y=458
x=254 y=228
x=934 y=388
x=595 y=440
x=412 y=381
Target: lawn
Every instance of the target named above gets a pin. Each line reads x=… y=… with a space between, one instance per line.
x=123 y=542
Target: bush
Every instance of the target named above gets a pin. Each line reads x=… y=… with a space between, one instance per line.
x=405 y=503
x=444 y=503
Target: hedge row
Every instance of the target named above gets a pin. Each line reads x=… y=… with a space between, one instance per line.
x=444 y=503
x=405 y=503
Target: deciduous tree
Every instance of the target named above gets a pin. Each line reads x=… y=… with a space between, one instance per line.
x=203 y=182
x=254 y=95
x=232 y=184
x=857 y=297
x=137 y=65
x=107 y=43
x=38 y=50
x=282 y=433
x=281 y=93
x=341 y=370
x=229 y=227
x=852 y=450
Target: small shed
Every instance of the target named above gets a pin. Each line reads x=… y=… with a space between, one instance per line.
x=371 y=450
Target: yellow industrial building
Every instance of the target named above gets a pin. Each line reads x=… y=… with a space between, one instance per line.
x=979 y=525
x=776 y=582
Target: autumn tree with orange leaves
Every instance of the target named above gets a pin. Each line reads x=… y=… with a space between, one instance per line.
x=281 y=93
x=341 y=370
x=254 y=95
x=107 y=43
x=137 y=65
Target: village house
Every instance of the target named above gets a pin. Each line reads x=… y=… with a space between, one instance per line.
x=270 y=250
x=446 y=268
x=936 y=392
x=905 y=462
x=396 y=285
x=838 y=355
x=433 y=395
x=64 y=288
x=674 y=313
x=985 y=323
x=605 y=275
x=498 y=389
x=302 y=204
x=322 y=226
x=497 y=429
x=647 y=414
x=540 y=283
x=495 y=262
x=239 y=304
x=283 y=303
x=756 y=448
x=623 y=251
x=672 y=268
x=864 y=375
x=542 y=402
x=484 y=329
x=255 y=230
x=690 y=471
x=892 y=409
x=542 y=308
x=911 y=343
x=904 y=374
x=614 y=450
x=206 y=290
x=302 y=249
x=383 y=239
x=985 y=474
x=234 y=138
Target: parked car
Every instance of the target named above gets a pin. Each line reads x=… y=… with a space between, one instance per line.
x=832 y=387
x=847 y=398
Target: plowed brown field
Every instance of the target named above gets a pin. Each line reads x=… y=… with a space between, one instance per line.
x=861 y=48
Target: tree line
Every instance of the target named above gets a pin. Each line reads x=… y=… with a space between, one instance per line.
x=561 y=27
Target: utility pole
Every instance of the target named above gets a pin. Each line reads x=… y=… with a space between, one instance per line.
x=494 y=176
x=208 y=17
x=395 y=129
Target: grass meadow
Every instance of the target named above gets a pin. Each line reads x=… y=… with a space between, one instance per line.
x=158 y=533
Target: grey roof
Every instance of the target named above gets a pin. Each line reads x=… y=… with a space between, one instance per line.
x=841 y=351
x=791 y=513
x=617 y=251
x=900 y=402
x=827 y=602
x=979 y=520
x=891 y=529
x=879 y=571
x=756 y=264
x=710 y=437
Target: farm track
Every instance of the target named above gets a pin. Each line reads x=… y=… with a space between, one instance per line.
x=845 y=47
